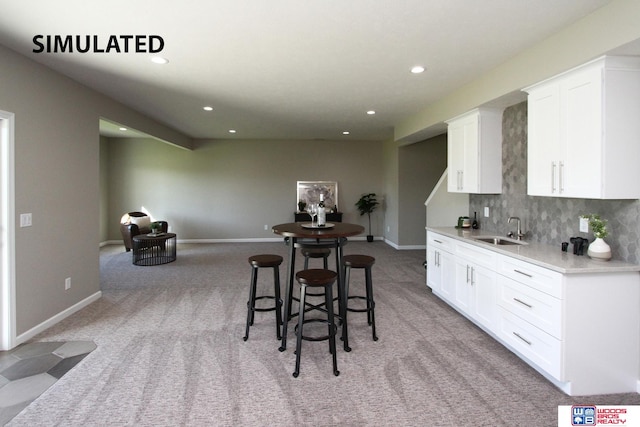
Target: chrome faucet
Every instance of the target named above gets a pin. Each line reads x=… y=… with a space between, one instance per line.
x=519 y=234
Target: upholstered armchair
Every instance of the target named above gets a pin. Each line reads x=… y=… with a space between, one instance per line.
x=134 y=223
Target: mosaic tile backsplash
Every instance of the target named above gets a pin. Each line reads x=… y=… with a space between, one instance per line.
x=550 y=220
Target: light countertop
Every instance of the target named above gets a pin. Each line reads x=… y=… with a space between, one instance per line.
x=541 y=254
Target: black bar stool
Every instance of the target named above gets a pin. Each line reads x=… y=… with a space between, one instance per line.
x=365 y=262
x=316 y=278
x=264 y=261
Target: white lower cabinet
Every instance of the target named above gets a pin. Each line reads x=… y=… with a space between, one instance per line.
x=439 y=263
x=475 y=284
x=580 y=331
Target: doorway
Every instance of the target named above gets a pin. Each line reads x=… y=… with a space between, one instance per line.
x=7 y=232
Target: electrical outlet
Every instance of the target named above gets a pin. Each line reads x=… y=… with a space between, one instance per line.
x=486 y=211
x=266 y=227
x=584 y=225
x=67 y=283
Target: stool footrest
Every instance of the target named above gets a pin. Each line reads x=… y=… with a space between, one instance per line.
x=279 y=303
x=319 y=338
x=361 y=310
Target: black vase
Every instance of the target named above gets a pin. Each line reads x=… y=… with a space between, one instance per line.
x=369 y=238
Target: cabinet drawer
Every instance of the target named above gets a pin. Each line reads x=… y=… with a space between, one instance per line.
x=476 y=255
x=542 y=279
x=541 y=310
x=539 y=347
x=438 y=241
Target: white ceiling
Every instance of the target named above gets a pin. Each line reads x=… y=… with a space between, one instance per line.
x=288 y=69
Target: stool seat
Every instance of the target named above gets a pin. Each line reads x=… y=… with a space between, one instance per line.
x=358 y=261
x=316 y=277
x=266 y=260
x=316 y=252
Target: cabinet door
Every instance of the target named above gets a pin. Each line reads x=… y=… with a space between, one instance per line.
x=485 y=308
x=434 y=270
x=455 y=157
x=463 y=294
x=448 y=283
x=471 y=161
x=580 y=170
x=543 y=154
x=462 y=154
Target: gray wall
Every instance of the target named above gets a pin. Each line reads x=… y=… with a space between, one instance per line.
x=230 y=189
x=420 y=167
x=550 y=220
x=57 y=164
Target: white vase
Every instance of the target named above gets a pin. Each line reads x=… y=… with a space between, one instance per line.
x=599 y=250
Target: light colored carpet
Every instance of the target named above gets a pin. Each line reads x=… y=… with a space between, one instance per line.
x=170 y=352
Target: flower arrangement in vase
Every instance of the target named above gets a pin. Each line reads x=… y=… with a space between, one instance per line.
x=598 y=249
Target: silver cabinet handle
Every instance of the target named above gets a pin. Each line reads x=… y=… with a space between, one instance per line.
x=519 y=336
x=553 y=177
x=522 y=302
x=560 y=180
x=523 y=273
x=467 y=273
x=472 y=272
x=437 y=241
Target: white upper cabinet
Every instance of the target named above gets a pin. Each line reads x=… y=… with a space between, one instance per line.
x=584 y=132
x=474 y=152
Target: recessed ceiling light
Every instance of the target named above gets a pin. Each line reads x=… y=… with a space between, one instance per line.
x=207 y=108
x=371 y=112
x=123 y=129
x=346 y=132
x=159 y=60
x=417 y=69
x=232 y=131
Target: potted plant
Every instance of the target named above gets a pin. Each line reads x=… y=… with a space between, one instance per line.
x=366 y=205
x=155 y=227
x=301 y=205
x=598 y=249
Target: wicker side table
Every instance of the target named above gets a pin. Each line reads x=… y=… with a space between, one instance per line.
x=154 y=250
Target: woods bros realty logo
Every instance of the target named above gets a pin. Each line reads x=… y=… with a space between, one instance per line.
x=592 y=415
x=97 y=44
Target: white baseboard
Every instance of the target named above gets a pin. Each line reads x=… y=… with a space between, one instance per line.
x=57 y=318
x=404 y=247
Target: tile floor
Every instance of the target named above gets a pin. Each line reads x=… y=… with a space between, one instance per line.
x=29 y=369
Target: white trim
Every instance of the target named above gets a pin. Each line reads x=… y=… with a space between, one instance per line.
x=7 y=233
x=404 y=247
x=57 y=318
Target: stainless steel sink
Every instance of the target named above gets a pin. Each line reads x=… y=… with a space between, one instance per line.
x=498 y=240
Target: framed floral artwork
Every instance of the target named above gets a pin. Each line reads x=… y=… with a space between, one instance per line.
x=309 y=192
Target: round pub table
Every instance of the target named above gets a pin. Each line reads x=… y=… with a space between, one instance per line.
x=301 y=235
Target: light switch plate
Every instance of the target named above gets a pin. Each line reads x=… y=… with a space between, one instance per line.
x=25 y=220
x=486 y=211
